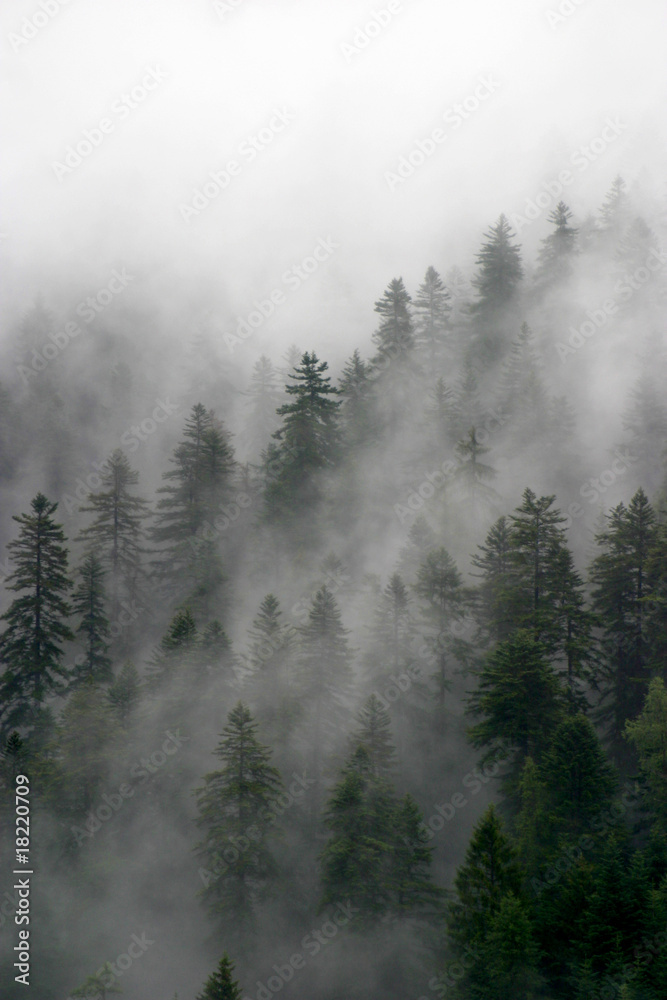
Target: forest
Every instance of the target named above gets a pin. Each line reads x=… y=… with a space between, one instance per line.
x=351 y=683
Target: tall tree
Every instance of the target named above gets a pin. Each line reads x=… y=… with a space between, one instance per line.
x=523 y=396
x=374 y=734
x=31 y=644
x=621 y=589
x=492 y=600
x=234 y=805
x=614 y=213
x=264 y=397
x=500 y=268
x=557 y=252
x=271 y=648
x=431 y=307
x=88 y=601
x=356 y=412
x=472 y=475
x=648 y=734
x=117 y=532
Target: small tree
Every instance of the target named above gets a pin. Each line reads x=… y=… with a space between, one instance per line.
x=221 y=985
x=88 y=601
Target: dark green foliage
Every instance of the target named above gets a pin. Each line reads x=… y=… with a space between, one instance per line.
x=118 y=530
x=431 y=308
x=234 y=805
x=221 y=985
x=89 y=602
x=31 y=644
x=500 y=268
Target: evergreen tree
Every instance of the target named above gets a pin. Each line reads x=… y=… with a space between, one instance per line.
x=431 y=308
x=472 y=476
x=621 y=589
x=195 y=489
x=85 y=746
x=31 y=645
x=648 y=734
x=221 y=985
x=519 y=700
x=411 y=868
x=88 y=601
x=441 y=590
x=489 y=874
x=324 y=680
x=635 y=248
x=235 y=812
x=509 y=956
x=176 y=655
x=421 y=540
x=264 y=397
x=500 y=268
x=645 y=423
x=309 y=440
x=394 y=338
x=374 y=734
x=117 y=532
x=357 y=407
x=614 y=213
x=466 y=406
x=271 y=649
x=557 y=252
x=392 y=630
x=523 y=395
x=123 y=694
x=98 y=986
x=492 y=599
x=440 y=417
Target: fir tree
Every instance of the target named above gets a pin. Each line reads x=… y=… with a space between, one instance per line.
x=117 y=532
x=648 y=734
x=177 y=651
x=621 y=590
x=431 y=307
x=88 y=601
x=357 y=407
x=557 y=252
x=493 y=598
x=221 y=985
x=412 y=857
x=374 y=734
x=500 y=268
x=394 y=338
x=472 y=475
x=264 y=397
x=123 y=694
x=31 y=645
x=271 y=645
x=614 y=213
x=235 y=812
x=523 y=395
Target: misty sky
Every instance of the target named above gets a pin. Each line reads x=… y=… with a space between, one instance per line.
x=223 y=70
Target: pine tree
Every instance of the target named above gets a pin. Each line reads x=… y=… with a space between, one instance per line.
x=431 y=307
x=221 y=985
x=558 y=250
x=394 y=338
x=412 y=857
x=271 y=649
x=493 y=597
x=392 y=629
x=466 y=406
x=523 y=395
x=309 y=441
x=421 y=540
x=621 y=590
x=440 y=588
x=374 y=734
x=614 y=213
x=235 y=812
x=648 y=734
x=85 y=746
x=117 y=532
x=264 y=397
x=635 y=248
x=195 y=489
x=535 y=541
x=14 y=760
x=500 y=268
x=357 y=406
x=177 y=652
x=123 y=694
x=509 y=956
x=88 y=601
x=519 y=700
x=472 y=476
x=489 y=874
x=324 y=680
x=31 y=645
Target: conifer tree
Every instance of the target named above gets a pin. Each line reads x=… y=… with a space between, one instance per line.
x=465 y=407
x=235 y=812
x=557 y=252
x=441 y=591
x=271 y=649
x=98 y=986
x=648 y=734
x=221 y=985
x=88 y=601
x=357 y=406
x=374 y=734
x=431 y=308
x=31 y=644
x=123 y=694
x=635 y=248
x=519 y=701
x=422 y=539
x=177 y=652
x=472 y=475
x=492 y=599
x=117 y=532
x=621 y=590
x=412 y=858
x=614 y=213
x=394 y=338
x=264 y=397
x=500 y=268
x=392 y=629
x=645 y=423
x=523 y=395
x=536 y=540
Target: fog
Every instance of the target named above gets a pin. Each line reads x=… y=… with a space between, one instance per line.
x=164 y=286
